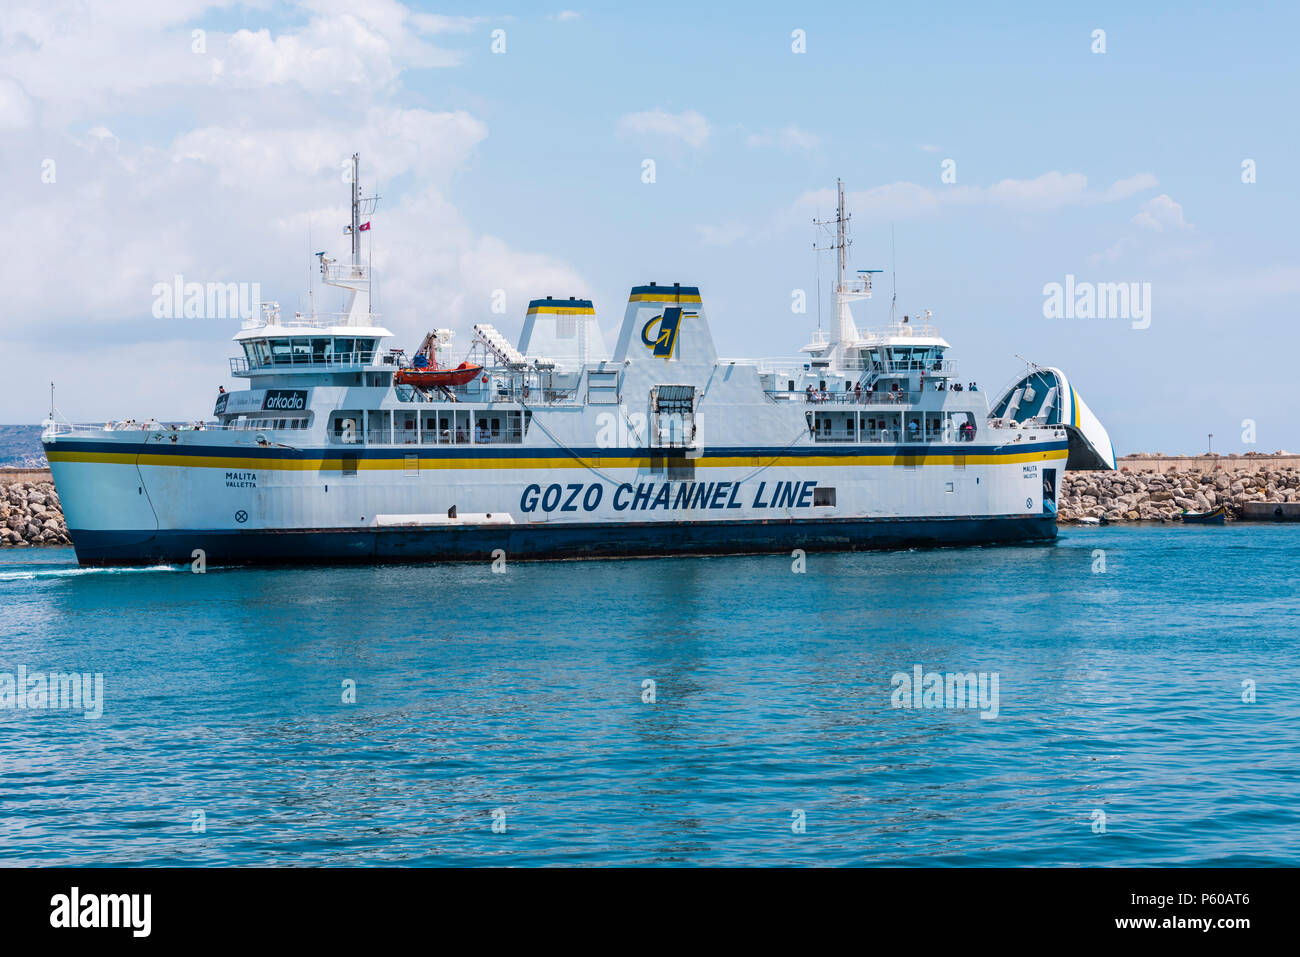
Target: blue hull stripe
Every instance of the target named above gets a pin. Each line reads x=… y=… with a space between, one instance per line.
x=549 y=541
x=529 y=452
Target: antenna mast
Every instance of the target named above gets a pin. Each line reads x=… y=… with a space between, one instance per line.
x=360 y=205
x=893 y=269
x=356 y=209
x=842 y=242
x=844 y=334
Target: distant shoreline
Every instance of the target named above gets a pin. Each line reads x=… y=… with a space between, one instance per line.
x=1234 y=462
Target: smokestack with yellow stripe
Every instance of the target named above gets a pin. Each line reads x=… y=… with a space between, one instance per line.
x=564 y=331
x=665 y=324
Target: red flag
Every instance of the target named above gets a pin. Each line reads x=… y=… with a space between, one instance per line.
x=363 y=227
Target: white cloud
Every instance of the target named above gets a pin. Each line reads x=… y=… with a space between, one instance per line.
x=1122 y=246
x=723 y=235
x=437 y=23
x=15 y=106
x=146 y=49
x=362 y=45
x=1161 y=213
x=904 y=200
x=565 y=15
x=689 y=126
x=929 y=148
x=1158 y=215
x=1122 y=189
x=231 y=196
x=791 y=138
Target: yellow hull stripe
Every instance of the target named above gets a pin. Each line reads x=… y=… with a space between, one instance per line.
x=561 y=311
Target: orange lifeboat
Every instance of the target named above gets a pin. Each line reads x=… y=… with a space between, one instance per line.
x=431 y=376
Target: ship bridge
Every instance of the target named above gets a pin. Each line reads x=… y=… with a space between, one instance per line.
x=308 y=343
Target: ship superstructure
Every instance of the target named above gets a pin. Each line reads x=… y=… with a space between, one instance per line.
x=343 y=449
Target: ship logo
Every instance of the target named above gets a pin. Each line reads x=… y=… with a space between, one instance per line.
x=664 y=339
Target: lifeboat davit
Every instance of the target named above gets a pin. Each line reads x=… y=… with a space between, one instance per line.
x=428 y=377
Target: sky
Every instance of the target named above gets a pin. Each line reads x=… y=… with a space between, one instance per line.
x=1003 y=147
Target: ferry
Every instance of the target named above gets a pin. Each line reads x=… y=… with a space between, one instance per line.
x=341 y=449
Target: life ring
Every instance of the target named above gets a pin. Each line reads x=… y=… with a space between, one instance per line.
x=484 y=380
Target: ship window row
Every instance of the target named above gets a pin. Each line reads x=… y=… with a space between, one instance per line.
x=431 y=427
x=891 y=428
x=244 y=422
x=309 y=350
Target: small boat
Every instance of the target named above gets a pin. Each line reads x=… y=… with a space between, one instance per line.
x=1214 y=516
x=424 y=370
x=431 y=377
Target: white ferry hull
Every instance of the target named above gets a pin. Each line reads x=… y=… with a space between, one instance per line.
x=158 y=501
x=559 y=448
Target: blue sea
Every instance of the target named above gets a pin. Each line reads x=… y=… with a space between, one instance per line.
x=1147 y=709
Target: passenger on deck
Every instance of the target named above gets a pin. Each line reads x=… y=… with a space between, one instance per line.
x=810 y=392
x=857 y=392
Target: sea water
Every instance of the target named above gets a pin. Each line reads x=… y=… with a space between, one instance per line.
x=719 y=711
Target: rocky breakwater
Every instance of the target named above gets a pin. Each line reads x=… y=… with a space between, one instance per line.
x=1152 y=496
x=30 y=514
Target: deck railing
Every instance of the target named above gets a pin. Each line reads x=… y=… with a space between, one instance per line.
x=843 y=398
x=894 y=436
